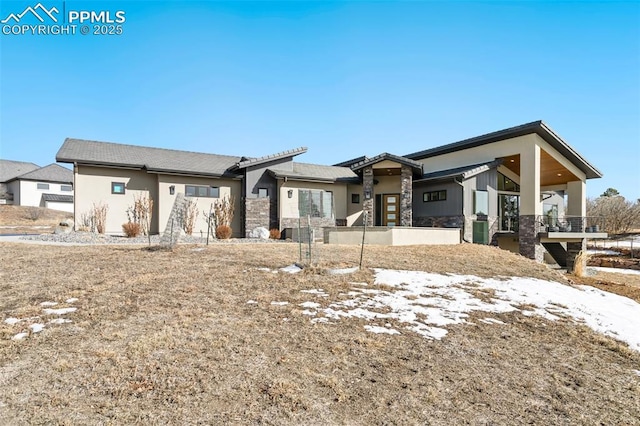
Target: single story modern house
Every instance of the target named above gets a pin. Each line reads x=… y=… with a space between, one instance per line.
x=27 y=184
x=521 y=188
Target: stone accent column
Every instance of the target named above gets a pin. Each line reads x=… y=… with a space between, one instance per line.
x=367 y=189
x=572 y=251
x=406 y=196
x=530 y=246
x=256 y=214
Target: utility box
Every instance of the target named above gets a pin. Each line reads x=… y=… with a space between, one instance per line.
x=480 y=232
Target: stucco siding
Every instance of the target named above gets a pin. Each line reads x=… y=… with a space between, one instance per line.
x=354 y=210
x=288 y=207
x=26 y=192
x=227 y=187
x=93 y=185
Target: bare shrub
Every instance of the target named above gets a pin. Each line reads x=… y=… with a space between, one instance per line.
x=223 y=210
x=223 y=232
x=99 y=213
x=33 y=213
x=141 y=213
x=580 y=266
x=274 y=234
x=131 y=229
x=188 y=215
x=87 y=222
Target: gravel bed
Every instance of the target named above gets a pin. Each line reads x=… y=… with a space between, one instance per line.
x=93 y=238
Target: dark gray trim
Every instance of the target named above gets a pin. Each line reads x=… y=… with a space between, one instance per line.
x=416 y=166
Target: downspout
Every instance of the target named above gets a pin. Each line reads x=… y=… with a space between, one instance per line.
x=464 y=219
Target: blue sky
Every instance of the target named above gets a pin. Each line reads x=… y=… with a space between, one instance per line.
x=342 y=78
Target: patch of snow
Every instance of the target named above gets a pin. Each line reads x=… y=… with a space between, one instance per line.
x=309 y=312
x=291 y=269
x=317 y=291
x=607 y=252
x=310 y=305
x=343 y=271
x=380 y=330
x=71 y=300
x=48 y=303
x=263 y=269
x=20 y=336
x=60 y=311
x=252 y=302
x=427 y=303
x=36 y=328
x=322 y=320
x=637 y=372
x=279 y=303
x=615 y=270
x=491 y=321
x=59 y=321
x=12 y=321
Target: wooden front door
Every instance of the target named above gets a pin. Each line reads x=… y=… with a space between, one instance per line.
x=390 y=209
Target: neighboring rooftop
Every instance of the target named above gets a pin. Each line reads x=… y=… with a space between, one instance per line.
x=10 y=169
x=58 y=198
x=151 y=159
x=538 y=127
x=51 y=173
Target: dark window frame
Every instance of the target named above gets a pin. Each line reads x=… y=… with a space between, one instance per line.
x=42 y=186
x=117 y=184
x=69 y=188
x=266 y=192
x=355 y=198
x=431 y=196
x=209 y=191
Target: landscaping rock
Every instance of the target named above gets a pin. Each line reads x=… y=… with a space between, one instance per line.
x=260 y=232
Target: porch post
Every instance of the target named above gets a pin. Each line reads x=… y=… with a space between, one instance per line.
x=530 y=205
x=406 y=196
x=367 y=189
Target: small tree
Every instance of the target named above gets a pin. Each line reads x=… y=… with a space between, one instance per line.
x=99 y=213
x=187 y=215
x=619 y=214
x=141 y=213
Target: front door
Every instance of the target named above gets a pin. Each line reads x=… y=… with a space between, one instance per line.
x=390 y=209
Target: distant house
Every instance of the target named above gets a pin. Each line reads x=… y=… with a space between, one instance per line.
x=521 y=188
x=27 y=184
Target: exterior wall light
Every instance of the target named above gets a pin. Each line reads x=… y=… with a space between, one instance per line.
x=172 y=190
x=290 y=193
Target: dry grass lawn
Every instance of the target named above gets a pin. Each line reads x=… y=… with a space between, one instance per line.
x=30 y=220
x=167 y=337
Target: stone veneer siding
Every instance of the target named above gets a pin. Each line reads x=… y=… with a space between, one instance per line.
x=439 y=221
x=406 y=196
x=367 y=186
x=530 y=246
x=257 y=213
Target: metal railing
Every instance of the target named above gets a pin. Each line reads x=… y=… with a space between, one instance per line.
x=588 y=224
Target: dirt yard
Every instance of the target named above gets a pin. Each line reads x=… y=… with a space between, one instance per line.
x=168 y=337
x=30 y=220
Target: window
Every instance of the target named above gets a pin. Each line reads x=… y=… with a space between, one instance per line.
x=434 y=196
x=315 y=203
x=481 y=202
x=506 y=184
x=355 y=198
x=66 y=188
x=263 y=192
x=43 y=186
x=117 y=187
x=202 y=191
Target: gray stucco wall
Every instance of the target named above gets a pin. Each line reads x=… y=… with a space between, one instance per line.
x=449 y=207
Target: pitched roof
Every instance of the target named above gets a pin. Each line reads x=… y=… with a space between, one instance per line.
x=10 y=169
x=386 y=156
x=351 y=162
x=51 y=173
x=243 y=163
x=465 y=172
x=58 y=198
x=159 y=160
x=538 y=127
x=316 y=172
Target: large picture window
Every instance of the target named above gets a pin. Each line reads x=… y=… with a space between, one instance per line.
x=201 y=191
x=315 y=203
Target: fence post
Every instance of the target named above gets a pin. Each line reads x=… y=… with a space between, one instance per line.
x=364 y=229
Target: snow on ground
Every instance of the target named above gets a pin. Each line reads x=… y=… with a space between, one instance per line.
x=292 y=269
x=32 y=325
x=614 y=270
x=427 y=304
x=607 y=252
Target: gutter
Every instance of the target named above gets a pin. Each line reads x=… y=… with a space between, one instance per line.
x=464 y=220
